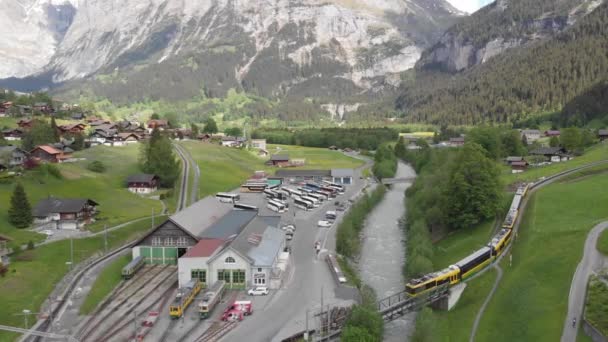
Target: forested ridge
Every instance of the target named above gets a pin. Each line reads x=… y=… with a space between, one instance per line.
x=542 y=77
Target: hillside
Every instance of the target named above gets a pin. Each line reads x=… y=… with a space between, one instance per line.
x=309 y=48
x=542 y=77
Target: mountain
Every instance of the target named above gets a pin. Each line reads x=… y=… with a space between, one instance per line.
x=502 y=25
x=538 y=77
x=176 y=49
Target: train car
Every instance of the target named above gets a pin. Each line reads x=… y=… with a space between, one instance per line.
x=211 y=298
x=510 y=219
x=474 y=262
x=522 y=190
x=185 y=296
x=430 y=281
x=516 y=203
x=132 y=267
x=500 y=241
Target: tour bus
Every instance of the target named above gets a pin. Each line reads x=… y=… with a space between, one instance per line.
x=242 y=206
x=332 y=191
x=225 y=197
x=295 y=193
x=324 y=195
x=270 y=193
x=276 y=206
x=318 y=197
x=302 y=204
x=315 y=202
x=313 y=186
x=338 y=187
x=304 y=190
x=282 y=194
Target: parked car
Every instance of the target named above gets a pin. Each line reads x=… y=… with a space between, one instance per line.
x=324 y=223
x=258 y=291
x=48 y=232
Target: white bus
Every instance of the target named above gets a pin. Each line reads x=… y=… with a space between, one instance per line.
x=325 y=195
x=269 y=193
x=276 y=206
x=241 y=206
x=302 y=204
x=315 y=202
x=338 y=187
x=304 y=190
x=333 y=192
x=318 y=196
x=226 y=197
x=282 y=194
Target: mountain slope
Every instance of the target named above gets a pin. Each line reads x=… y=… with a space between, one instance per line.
x=542 y=77
x=500 y=26
x=178 y=48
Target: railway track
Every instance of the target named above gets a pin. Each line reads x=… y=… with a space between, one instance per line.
x=126 y=301
x=163 y=300
x=183 y=193
x=216 y=331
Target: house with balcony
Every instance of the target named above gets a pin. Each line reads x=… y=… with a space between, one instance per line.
x=65 y=213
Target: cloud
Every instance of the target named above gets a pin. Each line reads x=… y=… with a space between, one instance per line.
x=469 y=6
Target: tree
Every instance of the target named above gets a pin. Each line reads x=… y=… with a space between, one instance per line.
x=233 y=132
x=571 y=139
x=473 y=190
x=195 y=130
x=20 y=212
x=210 y=126
x=488 y=138
x=425 y=326
x=368 y=319
x=400 y=149
x=154 y=117
x=40 y=133
x=158 y=158
x=356 y=334
x=554 y=141
x=512 y=144
x=78 y=143
x=97 y=166
x=55 y=129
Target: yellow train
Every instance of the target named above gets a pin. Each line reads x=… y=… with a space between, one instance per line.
x=185 y=296
x=474 y=262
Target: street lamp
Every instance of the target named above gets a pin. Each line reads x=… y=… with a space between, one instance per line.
x=26 y=312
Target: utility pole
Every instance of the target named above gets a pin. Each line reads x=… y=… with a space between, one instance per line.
x=152 y=217
x=105 y=238
x=306 y=332
x=71 y=253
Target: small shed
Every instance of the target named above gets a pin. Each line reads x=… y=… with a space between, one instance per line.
x=512 y=159
x=519 y=166
x=280 y=160
x=143 y=183
x=602 y=134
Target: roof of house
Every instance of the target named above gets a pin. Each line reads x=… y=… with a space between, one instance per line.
x=342 y=172
x=457 y=139
x=60 y=205
x=125 y=135
x=48 y=149
x=201 y=215
x=548 y=151
x=514 y=159
x=158 y=122
x=519 y=163
x=141 y=178
x=40 y=104
x=204 y=248
x=531 y=131
x=302 y=173
x=11 y=148
x=279 y=157
x=5 y=238
x=552 y=132
x=260 y=241
x=602 y=132
x=229 y=225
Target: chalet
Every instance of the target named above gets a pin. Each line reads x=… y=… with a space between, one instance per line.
x=458 y=141
x=4 y=109
x=143 y=183
x=127 y=138
x=280 y=160
x=552 y=133
x=530 y=135
x=552 y=154
x=519 y=166
x=602 y=134
x=5 y=250
x=259 y=144
x=24 y=110
x=43 y=107
x=231 y=141
x=64 y=146
x=66 y=213
x=129 y=126
x=25 y=123
x=100 y=122
x=155 y=123
x=13 y=134
x=15 y=156
x=512 y=159
x=78 y=116
x=49 y=154
x=77 y=128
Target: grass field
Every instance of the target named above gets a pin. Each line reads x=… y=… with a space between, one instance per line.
x=545 y=256
x=33 y=274
x=596 y=306
x=594 y=153
x=116 y=204
x=107 y=280
x=317 y=158
x=602 y=242
x=224 y=169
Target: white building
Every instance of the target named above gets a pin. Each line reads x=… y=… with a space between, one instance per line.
x=259 y=144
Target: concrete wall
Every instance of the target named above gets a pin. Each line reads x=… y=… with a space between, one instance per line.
x=595 y=335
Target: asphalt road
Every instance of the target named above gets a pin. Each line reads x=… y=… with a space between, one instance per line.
x=592 y=261
x=286 y=312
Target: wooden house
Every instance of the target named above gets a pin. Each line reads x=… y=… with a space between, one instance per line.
x=65 y=213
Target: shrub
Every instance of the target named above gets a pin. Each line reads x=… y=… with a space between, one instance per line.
x=50 y=169
x=96 y=166
x=3 y=270
x=30 y=245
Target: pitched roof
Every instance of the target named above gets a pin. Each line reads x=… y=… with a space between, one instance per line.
x=548 y=151
x=519 y=163
x=514 y=159
x=48 y=149
x=457 y=139
x=302 y=173
x=60 y=205
x=204 y=248
x=5 y=238
x=125 y=135
x=141 y=178
x=279 y=157
x=201 y=215
x=342 y=172
x=229 y=225
x=602 y=132
x=260 y=241
x=531 y=131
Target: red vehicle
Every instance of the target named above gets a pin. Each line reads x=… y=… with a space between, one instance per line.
x=237 y=310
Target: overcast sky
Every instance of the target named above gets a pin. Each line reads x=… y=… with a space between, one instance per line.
x=469 y=6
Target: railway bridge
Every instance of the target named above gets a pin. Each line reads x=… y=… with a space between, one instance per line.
x=390 y=181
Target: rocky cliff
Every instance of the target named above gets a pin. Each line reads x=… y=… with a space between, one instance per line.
x=271 y=47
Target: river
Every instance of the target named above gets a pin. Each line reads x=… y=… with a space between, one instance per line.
x=383 y=254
